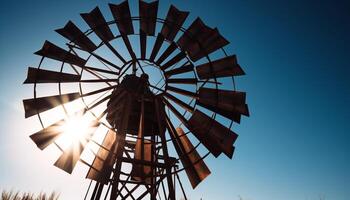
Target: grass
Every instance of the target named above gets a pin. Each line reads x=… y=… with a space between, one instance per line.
x=11 y=195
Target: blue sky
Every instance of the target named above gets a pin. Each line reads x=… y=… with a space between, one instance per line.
x=295 y=54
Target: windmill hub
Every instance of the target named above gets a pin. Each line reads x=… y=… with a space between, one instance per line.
x=138 y=91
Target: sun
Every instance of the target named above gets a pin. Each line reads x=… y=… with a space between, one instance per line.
x=75 y=129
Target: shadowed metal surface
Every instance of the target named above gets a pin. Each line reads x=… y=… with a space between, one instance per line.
x=223 y=67
x=196 y=170
x=230 y=104
x=98 y=24
x=52 y=51
x=38 y=105
x=214 y=136
x=46 y=76
x=74 y=34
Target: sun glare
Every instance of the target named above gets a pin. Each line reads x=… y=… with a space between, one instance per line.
x=74 y=129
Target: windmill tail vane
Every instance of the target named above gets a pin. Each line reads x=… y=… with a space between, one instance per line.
x=156 y=99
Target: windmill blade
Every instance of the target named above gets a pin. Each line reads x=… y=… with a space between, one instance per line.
x=158 y=43
x=191 y=81
x=52 y=51
x=38 y=105
x=170 y=49
x=200 y=40
x=70 y=156
x=181 y=91
x=102 y=165
x=179 y=102
x=173 y=22
x=122 y=16
x=197 y=170
x=121 y=13
x=48 y=135
x=148 y=18
x=209 y=44
x=100 y=70
x=98 y=24
x=36 y=75
x=74 y=34
x=190 y=37
x=187 y=155
x=223 y=67
x=214 y=136
x=99 y=91
x=187 y=67
x=174 y=60
x=230 y=104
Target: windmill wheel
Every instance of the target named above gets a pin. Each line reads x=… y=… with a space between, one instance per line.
x=142 y=103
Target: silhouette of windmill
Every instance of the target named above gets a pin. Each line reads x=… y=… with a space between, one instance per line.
x=151 y=119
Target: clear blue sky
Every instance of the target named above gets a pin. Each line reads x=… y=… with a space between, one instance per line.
x=296 y=55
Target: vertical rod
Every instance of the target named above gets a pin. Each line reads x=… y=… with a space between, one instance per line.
x=160 y=117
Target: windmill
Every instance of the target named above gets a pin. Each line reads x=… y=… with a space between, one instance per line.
x=160 y=93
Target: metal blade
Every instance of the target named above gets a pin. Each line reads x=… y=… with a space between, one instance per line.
x=192 y=81
x=181 y=91
x=102 y=165
x=179 y=102
x=52 y=51
x=48 y=135
x=74 y=34
x=148 y=16
x=183 y=69
x=171 y=48
x=156 y=47
x=121 y=13
x=143 y=44
x=173 y=22
x=210 y=43
x=224 y=67
x=36 y=75
x=214 y=136
x=174 y=60
x=98 y=24
x=99 y=91
x=38 y=105
x=70 y=156
x=200 y=40
x=230 y=104
x=197 y=170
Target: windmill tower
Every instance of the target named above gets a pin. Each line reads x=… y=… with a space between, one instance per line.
x=156 y=125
